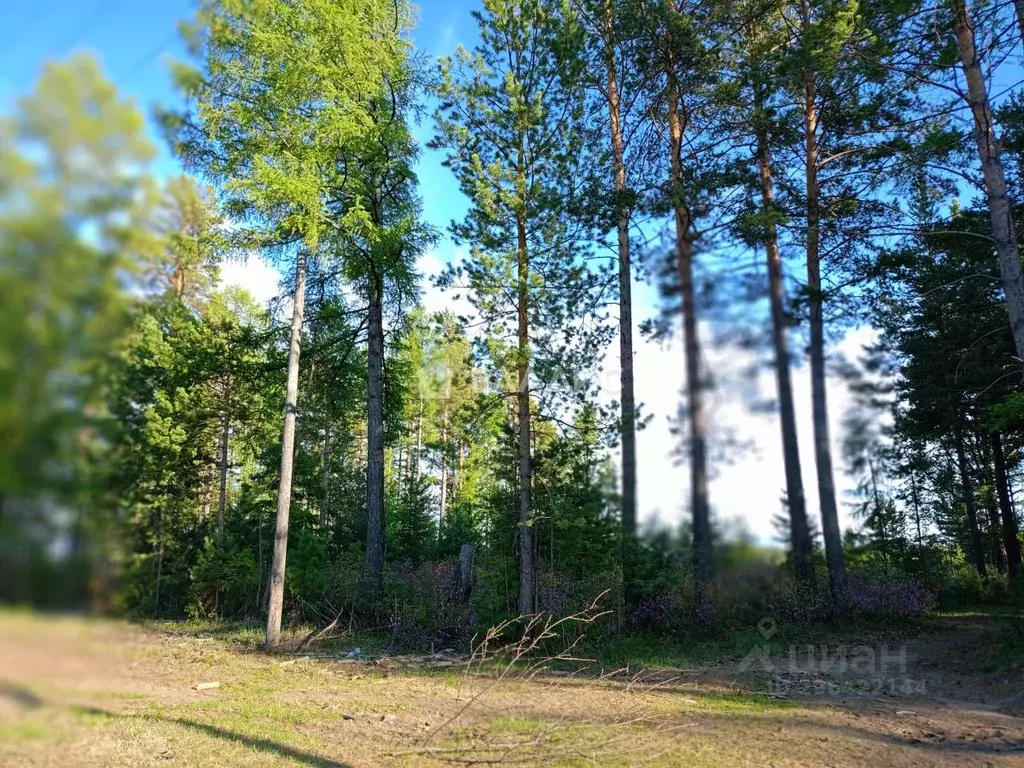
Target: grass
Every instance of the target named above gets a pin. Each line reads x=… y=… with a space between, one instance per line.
x=1005 y=652
x=732 y=644
x=77 y=693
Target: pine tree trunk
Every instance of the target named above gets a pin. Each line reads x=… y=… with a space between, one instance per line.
x=967 y=489
x=375 y=441
x=225 y=437
x=1018 y=7
x=627 y=395
x=444 y=449
x=159 y=562
x=527 y=600
x=207 y=493
x=996 y=535
x=1011 y=542
x=799 y=530
x=444 y=492
x=458 y=471
x=1004 y=232
x=995 y=529
x=419 y=441
x=275 y=603
x=694 y=384
x=915 y=498
x=326 y=483
x=819 y=397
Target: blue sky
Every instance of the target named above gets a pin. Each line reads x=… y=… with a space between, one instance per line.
x=133 y=39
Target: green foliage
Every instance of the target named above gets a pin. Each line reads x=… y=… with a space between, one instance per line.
x=140 y=401
x=223 y=580
x=278 y=107
x=528 y=180
x=411 y=528
x=73 y=205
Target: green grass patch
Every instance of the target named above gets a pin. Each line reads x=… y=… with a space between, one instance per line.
x=25 y=730
x=1006 y=646
x=742 y=703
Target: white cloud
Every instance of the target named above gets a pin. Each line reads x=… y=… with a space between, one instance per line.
x=446 y=44
x=748 y=480
x=255 y=275
x=434 y=299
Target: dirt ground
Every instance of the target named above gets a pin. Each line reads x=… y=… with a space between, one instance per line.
x=75 y=692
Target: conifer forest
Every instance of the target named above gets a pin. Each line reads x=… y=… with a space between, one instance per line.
x=625 y=327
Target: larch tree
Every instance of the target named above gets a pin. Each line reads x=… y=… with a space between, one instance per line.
x=383 y=235
x=191 y=230
x=281 y=101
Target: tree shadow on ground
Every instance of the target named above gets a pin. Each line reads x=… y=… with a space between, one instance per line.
x=804 y=725
x=27 y=699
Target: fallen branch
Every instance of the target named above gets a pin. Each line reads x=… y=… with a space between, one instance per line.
x=316 y=634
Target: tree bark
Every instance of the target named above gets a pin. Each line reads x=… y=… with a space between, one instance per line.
x=375 y=520
x=799 y=530
x=967 y=489
x=694 y=383
x=1004 y=232
x=915 y=498
x=159 y=562
x=995 y=529
x=819 y=397
x=996 y=535
x=419 y=440
x=207 y=493
x=1018 y=7
x=444 y=450
x=627 y=394
x=527 y=599
x=458 y=471
x=275 y=603
x=225 y=437
x=444 y=490
x=467 y=555
x=325 y=491
x=1011 y=542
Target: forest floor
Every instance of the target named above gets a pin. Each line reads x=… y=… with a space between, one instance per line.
x=77 y=692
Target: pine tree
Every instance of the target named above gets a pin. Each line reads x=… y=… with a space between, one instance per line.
x=684 y=64
x=749 y=104
x=511 y=118
x=926 y=40
x=613 y=36
x=189 y=223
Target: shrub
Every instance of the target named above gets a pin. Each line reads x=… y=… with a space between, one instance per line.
x=422 y=606
x=224 y=580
